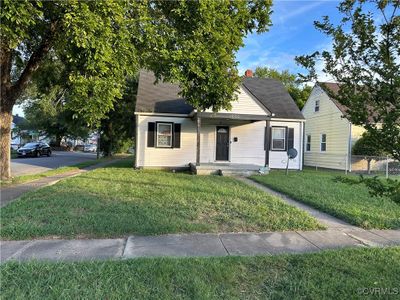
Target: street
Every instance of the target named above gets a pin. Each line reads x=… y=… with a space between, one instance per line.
x=34 y=165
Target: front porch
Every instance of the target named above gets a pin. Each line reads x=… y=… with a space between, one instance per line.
x=230 y=144
x=227 y=169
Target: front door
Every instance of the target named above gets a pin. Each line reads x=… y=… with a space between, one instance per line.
x=222 y=143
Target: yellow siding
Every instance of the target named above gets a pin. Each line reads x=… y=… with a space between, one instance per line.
x=328 y=120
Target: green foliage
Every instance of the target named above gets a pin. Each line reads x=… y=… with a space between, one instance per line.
x=367 y=145
x=194 y=43
x=365 y=61
x=377 y=187
x=101 y=42
x=46 y=106
x=296 y=89
x=118 y=128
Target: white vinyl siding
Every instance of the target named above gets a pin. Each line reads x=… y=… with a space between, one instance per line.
x=166 y=157
x=249 y=148
x=278 y=159
x=245 y=104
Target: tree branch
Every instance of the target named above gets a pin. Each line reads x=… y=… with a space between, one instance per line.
x=33 y=64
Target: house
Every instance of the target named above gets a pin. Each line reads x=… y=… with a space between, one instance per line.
x=257 y=132
x=329 y=135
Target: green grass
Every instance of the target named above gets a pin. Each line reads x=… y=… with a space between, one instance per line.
x=60 y=170
x=351 y=203
x=341 y=274
x=118 y=200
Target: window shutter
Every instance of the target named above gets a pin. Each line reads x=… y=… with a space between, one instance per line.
x=177 y=135
x=151 y=126
x=290 y=140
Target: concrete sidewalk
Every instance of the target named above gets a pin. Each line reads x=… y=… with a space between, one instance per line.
x=11 y=193
x=185 y=245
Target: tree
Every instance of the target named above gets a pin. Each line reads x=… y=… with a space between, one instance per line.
x=365 y=61
x=52 y=119
x=102 y=42
x=118 y=128
x=296 y=89
x=367 y=145
x=46 y=104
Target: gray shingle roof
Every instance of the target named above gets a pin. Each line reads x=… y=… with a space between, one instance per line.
x=163 y=97
x=274 y=96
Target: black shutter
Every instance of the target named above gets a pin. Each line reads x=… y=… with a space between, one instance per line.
x=151 y=134
x=290 y=140
x=177 y=135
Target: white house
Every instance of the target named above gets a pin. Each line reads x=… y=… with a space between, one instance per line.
x=262 y=125
x=329 y=135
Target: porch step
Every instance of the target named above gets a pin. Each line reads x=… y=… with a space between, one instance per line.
x=226 y=169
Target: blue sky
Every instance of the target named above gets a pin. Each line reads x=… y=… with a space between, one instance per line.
x=292 y=33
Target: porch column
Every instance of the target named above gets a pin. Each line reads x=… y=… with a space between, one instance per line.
x=267 y=141
x=198 y=123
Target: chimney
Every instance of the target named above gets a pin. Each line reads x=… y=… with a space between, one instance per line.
x=248 y=73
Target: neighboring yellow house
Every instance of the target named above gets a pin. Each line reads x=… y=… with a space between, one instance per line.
x=329 y=135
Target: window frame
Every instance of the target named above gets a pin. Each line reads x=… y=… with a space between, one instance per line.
x=321 y=142
x=317 y=105
x=284 y=138
x=171 y=125
x=308 y=143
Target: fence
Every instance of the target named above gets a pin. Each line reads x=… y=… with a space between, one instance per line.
x=374 y=165
x=359 y=164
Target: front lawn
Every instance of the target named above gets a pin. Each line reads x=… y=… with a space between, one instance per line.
x=118 y=201
x=342 y=274
x=351 y=203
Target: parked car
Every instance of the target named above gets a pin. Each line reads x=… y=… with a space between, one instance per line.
x=35 y=149
x=79 y=148
x=90 y=148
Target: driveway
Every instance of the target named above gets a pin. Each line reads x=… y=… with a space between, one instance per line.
x=23 y=166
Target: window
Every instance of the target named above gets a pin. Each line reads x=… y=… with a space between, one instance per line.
x=323 y=142
x=278 y=138
x=308 y=144
x=164 y=135
x=316 y=105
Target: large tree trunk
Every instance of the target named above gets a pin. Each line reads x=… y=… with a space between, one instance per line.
x=5 y=143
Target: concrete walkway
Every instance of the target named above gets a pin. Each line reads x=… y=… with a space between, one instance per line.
x=11 y=193
x=184 y=245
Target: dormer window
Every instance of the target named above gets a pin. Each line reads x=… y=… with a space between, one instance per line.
x=316 y=106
